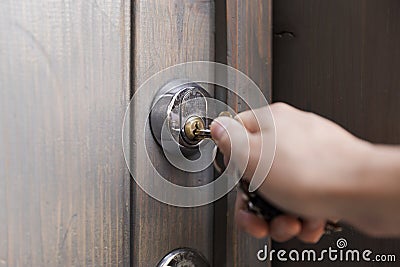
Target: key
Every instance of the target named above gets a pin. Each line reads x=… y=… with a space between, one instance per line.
x=202 y=133
x=264 y=209
x=195 y=129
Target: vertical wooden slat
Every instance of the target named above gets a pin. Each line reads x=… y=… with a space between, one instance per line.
x=220 y=219
x=249 y=50
x=167 y=33
x=64 y=87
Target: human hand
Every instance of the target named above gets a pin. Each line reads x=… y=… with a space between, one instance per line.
x=310 y=169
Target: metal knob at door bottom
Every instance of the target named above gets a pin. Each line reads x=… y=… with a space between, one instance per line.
x=184 y=257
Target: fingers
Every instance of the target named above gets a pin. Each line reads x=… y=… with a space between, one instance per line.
x=260 y=133
x=248 y=120
x=312 y=230
x=281 y=229
x=226 y=131
x=256 y=120
x=284 y=228
x=233 y=141
x=243 y=148
x=247 y=221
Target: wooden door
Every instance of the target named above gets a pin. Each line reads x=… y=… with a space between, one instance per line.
x=167 y=33
x=64 y=87
x=171 y=32
x=341 y=59
x=249 y=46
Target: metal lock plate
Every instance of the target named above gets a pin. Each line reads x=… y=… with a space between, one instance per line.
x=184 y=257
x=175 y=104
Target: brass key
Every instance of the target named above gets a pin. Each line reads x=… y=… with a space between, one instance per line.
x=202 y=133
x=195 y=129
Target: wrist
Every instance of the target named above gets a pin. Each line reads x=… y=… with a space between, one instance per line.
x=371 y=191
x=343 y=187
x=379 y=172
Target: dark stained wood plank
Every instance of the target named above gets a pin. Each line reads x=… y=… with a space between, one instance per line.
x=64 y=79
x=341 y=59
x=220 y=206
x=167 y=33
x=249 y=27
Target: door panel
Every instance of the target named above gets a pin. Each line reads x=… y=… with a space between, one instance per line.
x=167 y=33
x=64 y=87
x=66 y=196
x=249 y=46
x=340 y=59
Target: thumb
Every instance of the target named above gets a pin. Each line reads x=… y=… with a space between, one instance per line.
x=250 y=155
x=232 y=140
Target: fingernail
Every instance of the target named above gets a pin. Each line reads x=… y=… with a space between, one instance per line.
x=314 y=225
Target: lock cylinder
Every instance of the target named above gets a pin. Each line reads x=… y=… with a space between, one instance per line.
x=179 y=114
x=195 y=130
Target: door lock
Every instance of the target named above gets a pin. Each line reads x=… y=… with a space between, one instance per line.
x=180 y=114
x=195 y=130
x=184 y=257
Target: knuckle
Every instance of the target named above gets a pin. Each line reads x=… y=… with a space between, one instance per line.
x=279 y=106
x=243 y=114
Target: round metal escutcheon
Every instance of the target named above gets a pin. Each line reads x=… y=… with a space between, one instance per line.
x=172 y=105
x=184 y=257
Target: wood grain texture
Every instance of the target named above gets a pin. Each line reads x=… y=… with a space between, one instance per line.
x=341 y=59
x=168 y=33
x=64 y=79
x=249 y=26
